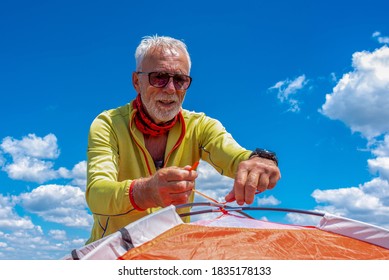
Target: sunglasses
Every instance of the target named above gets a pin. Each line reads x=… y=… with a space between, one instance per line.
x=161 y=79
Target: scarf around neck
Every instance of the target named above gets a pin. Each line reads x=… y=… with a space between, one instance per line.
x=146 y=125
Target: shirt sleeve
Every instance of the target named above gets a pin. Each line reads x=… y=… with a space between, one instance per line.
x=105 y=195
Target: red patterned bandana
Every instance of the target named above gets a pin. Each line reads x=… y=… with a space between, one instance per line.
x=146 y=125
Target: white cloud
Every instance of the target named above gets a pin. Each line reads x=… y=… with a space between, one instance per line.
x=211 y=183
x=380 y=39
x=381 y=148
x=381 y=166
x=9 y=219
x=377 y=187
x=353 y=199
x=31 y=160
x=368 y=202
x=34 y=244
x=303 y=219
x=32 y=146
x=268 y=200
x=57 y=234
x=383 y=40
x=2 y=159
x=361 y=99
x=287 y=89
x=31 y=169
x=21 y=239
x=61 y=204
x=78 y=174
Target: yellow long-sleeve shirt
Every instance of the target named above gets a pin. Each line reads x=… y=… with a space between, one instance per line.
x=117 y=155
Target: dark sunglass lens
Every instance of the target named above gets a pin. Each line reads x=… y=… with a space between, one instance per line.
x=181 y=81
x=158 y=79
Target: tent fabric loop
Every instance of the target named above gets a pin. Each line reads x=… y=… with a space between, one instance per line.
x=126 y=239
x=75 y=255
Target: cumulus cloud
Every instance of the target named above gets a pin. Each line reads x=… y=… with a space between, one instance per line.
x=9 y=219
x=303 y=219
x=2 y=159
x=78 y=175
x=347 y=200
x=54 y=203
x=32 y=146
x=381 y=148
x=368 y=202
x=268 y=201
x=32 y=160
x=32 y=170
x=35 y=244
x=211 y=183
x=379 y=188
x=20 y=238
x=380 y=39
x=57 y=234
x=287 y=89
x=380 y=165
x=361 y=99
x=61 y=204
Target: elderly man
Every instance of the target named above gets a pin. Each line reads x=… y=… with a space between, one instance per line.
x=140 y=154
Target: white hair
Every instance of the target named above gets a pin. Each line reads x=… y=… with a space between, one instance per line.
x=150 y=42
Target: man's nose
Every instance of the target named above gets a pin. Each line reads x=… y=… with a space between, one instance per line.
x=170 y=88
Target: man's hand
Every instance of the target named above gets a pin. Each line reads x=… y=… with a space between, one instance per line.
x=170 y=185
x=253 y=175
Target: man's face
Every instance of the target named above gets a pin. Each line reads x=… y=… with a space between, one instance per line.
x=162 y=104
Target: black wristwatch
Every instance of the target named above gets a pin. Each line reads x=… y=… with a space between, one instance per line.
x=265 y=154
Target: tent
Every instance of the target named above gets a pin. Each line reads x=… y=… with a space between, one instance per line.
x=235 y=235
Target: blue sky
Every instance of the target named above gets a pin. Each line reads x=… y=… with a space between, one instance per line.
x=307 y=79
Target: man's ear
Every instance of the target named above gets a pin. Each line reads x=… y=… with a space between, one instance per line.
x=135 y=82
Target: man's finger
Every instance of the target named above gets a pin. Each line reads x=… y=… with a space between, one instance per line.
x=180 y=198
x=250 y=187
x=230 y=197
x=263 y=183
x=178 y=186
x=239 y=185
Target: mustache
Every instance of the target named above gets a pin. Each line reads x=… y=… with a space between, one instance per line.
x=168 y=98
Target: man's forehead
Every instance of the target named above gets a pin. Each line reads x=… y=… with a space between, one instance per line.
x=163 y=51
x=166 y=58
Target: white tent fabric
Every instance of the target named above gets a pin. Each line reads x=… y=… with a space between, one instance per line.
x=355 y=229
x=133 y=235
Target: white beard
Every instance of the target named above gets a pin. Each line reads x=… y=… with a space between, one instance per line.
x=158 y=113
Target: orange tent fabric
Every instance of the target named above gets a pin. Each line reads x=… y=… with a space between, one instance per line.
x=163 y=235
x=190 y=242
